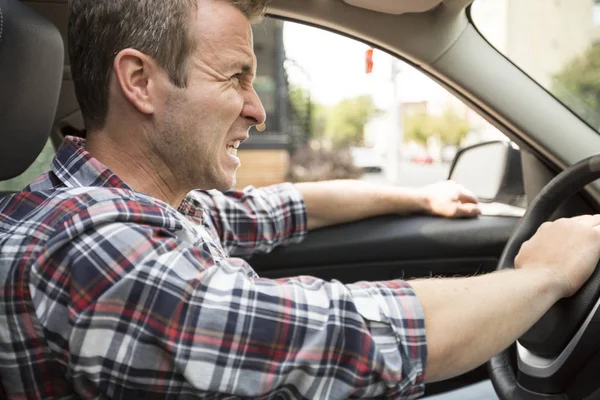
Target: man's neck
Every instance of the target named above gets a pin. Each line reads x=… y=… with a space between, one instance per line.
x=134 y=164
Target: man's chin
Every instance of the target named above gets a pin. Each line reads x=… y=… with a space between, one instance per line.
x=223 y=183
x=227 y=184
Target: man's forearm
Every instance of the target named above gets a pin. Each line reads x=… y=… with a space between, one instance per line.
x=335 y=202
x=469 y=320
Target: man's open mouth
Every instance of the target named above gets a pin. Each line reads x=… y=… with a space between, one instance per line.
x=233 y=146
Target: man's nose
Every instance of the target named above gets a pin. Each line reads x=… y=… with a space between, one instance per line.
x=254 y=110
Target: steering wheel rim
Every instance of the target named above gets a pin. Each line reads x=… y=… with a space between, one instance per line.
x=500 y=367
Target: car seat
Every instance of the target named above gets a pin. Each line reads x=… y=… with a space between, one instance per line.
x=31 y=65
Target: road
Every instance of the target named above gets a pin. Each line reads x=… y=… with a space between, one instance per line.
x=412 y=174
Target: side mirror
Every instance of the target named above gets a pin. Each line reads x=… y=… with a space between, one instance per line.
x=492 y=171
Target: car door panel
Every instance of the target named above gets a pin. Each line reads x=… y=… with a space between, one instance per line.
x=393 y=247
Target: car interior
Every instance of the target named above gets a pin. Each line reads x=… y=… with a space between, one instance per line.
x=559 y=358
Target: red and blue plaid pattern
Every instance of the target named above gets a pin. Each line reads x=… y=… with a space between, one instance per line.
x=108 y=293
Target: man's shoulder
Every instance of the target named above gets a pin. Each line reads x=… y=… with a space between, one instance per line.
x=64 y=207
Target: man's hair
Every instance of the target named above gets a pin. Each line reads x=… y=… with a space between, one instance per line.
x=100 y=29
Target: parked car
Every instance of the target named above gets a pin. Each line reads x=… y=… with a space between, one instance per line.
x=367 y=159
x=422 y=158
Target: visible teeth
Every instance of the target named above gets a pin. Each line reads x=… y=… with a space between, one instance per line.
x=233 y=146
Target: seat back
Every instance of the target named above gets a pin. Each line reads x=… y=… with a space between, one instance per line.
x=31 y=64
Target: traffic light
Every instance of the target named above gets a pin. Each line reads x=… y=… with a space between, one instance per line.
x=369 y=60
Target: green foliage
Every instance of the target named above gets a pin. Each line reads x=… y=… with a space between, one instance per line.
x=450 y=127
x=419 y=126
x=298 y=97
x=304 y=108
x=300 y=101
x=345 y=122
x=577 y=85
x=40 y=166
x=453 y=128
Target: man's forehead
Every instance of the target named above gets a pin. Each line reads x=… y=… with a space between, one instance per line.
x=222 y=23
x=223 y=35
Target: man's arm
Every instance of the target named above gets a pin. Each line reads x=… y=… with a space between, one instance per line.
x=254 y=220
x=468 y=320
x=145 y=313
x=334 y=202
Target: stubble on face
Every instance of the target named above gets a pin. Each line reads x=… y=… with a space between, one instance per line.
x=190 y=147
x=177 y=144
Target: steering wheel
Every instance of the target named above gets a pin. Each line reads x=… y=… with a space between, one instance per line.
x=551 y=354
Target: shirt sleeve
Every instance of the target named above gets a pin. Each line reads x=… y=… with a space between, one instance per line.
x=256 y=220
x=141 y=313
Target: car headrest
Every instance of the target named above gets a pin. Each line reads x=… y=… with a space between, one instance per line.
x=31 y=65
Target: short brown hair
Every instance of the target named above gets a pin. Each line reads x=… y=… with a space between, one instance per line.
x=100 y=29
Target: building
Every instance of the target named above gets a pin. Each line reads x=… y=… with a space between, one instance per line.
x=539 y=36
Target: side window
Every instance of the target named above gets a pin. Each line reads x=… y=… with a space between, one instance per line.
x=337 y=109
x=39 y=166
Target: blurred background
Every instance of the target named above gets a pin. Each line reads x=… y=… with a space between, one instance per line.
x=338 y=109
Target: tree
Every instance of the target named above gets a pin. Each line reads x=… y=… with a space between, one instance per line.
x=345 y=121
x=419 y=126
x=310 y=115
x=577 y=85
x=450 y=127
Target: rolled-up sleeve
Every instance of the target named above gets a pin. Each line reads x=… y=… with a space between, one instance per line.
x=255 y=220
x=148 y=314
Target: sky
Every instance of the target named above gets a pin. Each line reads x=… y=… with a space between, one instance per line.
x=335 y=66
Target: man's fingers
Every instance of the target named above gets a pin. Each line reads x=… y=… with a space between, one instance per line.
x=591 y=220
x=467 y=210
x=595 y=220
x=466 y=196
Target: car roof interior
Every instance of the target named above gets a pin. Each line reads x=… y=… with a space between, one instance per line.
x=436 y=37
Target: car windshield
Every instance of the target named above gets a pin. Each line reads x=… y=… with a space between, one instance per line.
x=557 y=43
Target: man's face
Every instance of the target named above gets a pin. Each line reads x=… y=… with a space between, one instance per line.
x=200 y=126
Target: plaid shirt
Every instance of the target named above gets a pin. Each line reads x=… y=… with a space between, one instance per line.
x=109 y=293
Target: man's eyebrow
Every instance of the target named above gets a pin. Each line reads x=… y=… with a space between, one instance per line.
x=247 y=69
x=244 y=67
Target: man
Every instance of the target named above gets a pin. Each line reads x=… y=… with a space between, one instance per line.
x=120 y=280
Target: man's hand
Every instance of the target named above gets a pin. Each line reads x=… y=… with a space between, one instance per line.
x=449 y=199
x=335 y=202
x=468 y=320
x=568 y=249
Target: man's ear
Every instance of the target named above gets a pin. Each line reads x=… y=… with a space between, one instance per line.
x=135 y=75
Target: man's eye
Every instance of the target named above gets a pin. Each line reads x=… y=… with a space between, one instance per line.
x=237 y=76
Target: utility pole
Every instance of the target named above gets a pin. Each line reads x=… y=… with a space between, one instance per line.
x=395 y=131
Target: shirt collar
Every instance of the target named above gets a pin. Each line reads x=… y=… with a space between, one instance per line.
x=75 y=167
